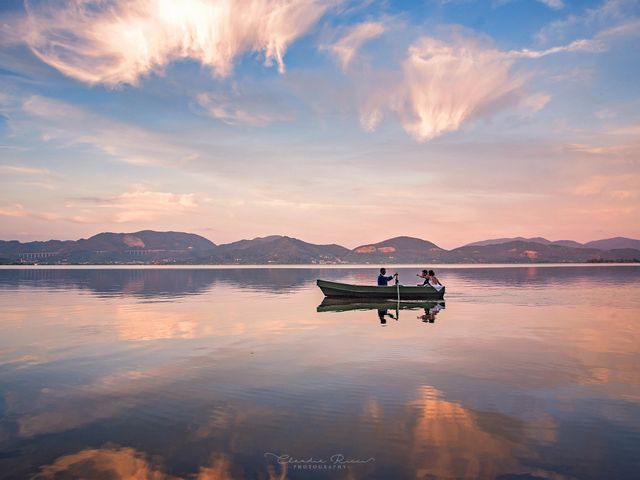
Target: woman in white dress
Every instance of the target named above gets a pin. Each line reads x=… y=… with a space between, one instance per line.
x=434 y=282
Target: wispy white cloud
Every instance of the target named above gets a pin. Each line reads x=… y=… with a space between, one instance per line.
x=614 y=186
x=442 y=84
x=19 y=211
x=601 y=17
x=616 y=146
x=59 y=121
x=122 y=40
x=608 y=151
x=137 y=204
x=581 y=45
x=554 y=4
x=235 y=106
x=22 y=170
x=598 y=43
x=142 y=204
x=345 y=49
x=445 y=83
x=632 y=130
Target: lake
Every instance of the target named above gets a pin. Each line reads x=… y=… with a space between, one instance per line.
x=525 y=372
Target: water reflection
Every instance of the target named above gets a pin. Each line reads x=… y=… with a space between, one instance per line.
x=384 y=313
x=119 y=463
x=431 y=312
x=197 y=374
x=155 y=283
x=428 y=436
x=430 y=308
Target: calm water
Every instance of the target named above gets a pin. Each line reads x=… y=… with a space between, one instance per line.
x=526 y=372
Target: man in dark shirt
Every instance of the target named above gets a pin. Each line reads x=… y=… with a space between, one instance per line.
x=383 y=279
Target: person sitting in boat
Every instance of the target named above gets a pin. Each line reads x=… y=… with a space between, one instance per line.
x=424 y=274
x=383 y=279
x=433 y=280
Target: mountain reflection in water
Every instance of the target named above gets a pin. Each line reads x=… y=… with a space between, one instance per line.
x=529 y=372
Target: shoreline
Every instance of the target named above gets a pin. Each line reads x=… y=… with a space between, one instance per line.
x=310 y=266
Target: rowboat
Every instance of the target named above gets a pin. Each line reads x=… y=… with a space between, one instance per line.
x=390 y=292
x=338 y=304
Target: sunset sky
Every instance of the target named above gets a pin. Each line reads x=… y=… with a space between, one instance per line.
x=331 y=121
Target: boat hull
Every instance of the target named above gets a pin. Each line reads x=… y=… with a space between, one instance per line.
x=344 y=290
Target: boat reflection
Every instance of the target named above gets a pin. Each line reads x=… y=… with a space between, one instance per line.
x=431 y=312
x=431 y=308
x=384 y=313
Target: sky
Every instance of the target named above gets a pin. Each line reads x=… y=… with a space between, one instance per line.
x=331 y=121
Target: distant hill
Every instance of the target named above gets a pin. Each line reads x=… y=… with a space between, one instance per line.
x=14 y=247
x=150 y=247
x=540 y=240
x=498 y=241
x=568 y=243
x=138 y=247
x=605 y=244
x=146 y=239
x=533 y=252
x=614 y=243
x=397 y=250
x=279 y=249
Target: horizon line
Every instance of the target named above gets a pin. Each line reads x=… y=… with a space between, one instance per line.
x=514 y=238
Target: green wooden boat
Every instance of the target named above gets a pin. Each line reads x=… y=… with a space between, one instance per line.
x=339 y=304
x=344 y=290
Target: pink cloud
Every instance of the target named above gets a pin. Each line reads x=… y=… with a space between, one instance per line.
x=141 y=204
x=18 y=211
x=443 y=84
x=345 y=49
x=121 y=41
x=138 y=204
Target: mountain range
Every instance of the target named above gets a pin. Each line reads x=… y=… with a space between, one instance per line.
x=150 y=247
x=605 y=244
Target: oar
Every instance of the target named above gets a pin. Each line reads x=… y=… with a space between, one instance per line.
x=398 y=291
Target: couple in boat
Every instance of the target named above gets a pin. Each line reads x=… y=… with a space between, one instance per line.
x=429 y=279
